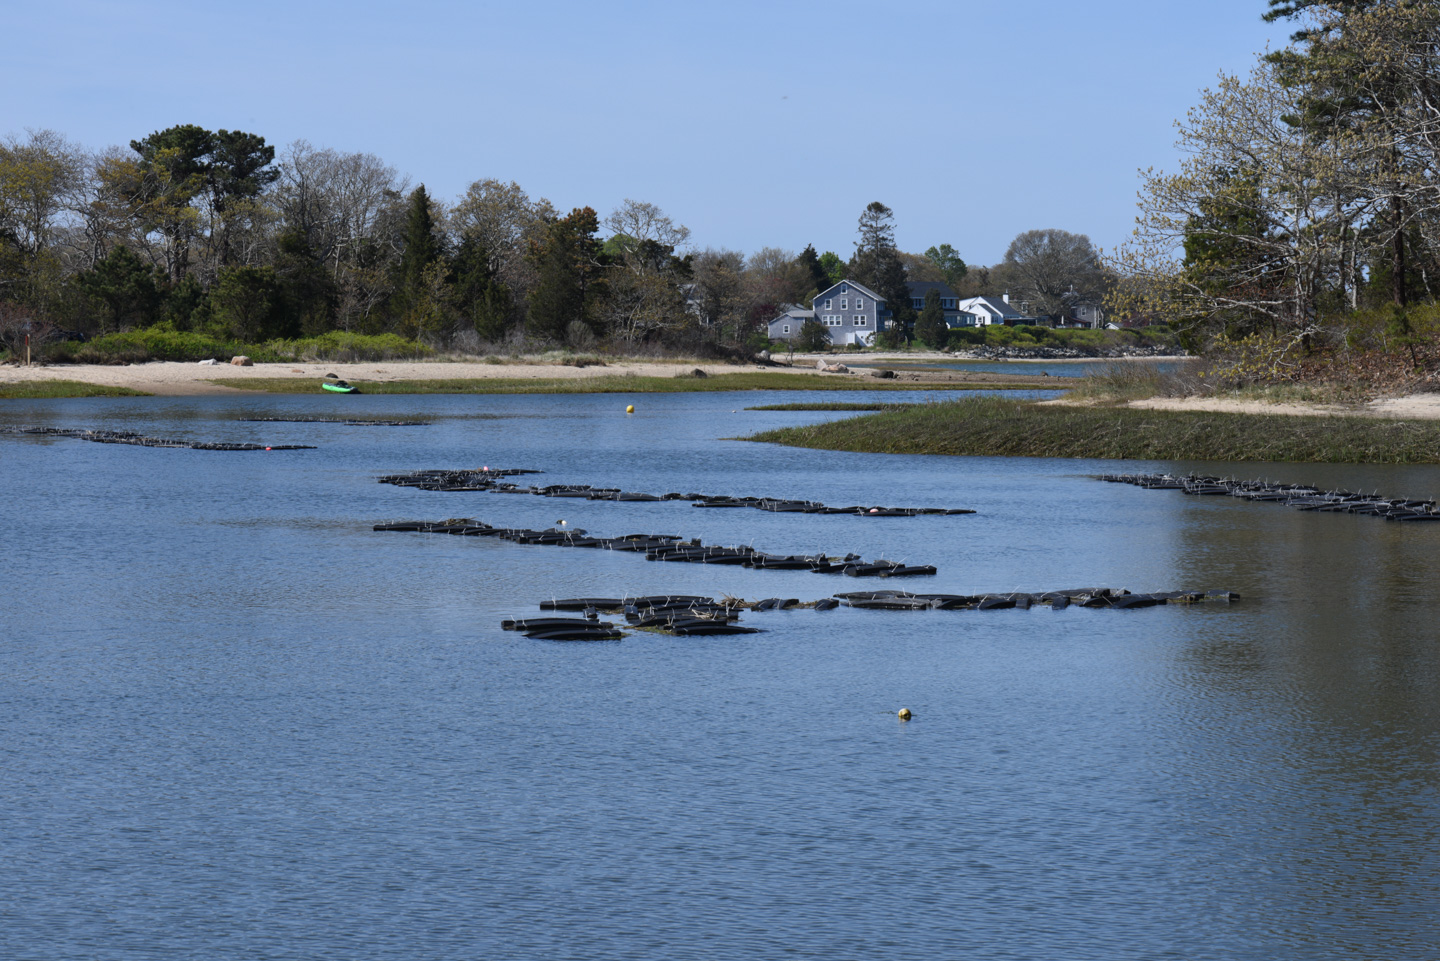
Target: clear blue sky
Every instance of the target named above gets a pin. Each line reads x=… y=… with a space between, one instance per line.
x=754 y=123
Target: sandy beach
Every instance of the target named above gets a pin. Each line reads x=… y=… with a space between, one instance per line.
x=174 y=379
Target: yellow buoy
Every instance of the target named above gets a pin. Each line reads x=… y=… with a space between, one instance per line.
x=629 y=408
x=904 y=714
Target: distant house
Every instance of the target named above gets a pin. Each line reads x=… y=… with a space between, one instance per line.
x=851 y=312
x=984 y=311
x=1086 y=315
x=949 y=303
x=787 y=325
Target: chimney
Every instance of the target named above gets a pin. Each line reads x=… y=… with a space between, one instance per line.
x=1006 y=298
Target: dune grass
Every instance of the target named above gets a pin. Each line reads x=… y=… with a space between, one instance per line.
x=609 y=384
x=1000 y=427
x=44 y=389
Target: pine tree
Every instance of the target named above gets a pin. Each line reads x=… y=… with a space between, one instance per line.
x=931 y=327
x=877 y=265
x=421 y=249
x=1331 y=71
x=809 y=262
x=479 y=295
x=125 y=286
x=567 y=262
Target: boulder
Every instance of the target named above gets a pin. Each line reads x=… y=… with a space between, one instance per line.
x=883 y=374
x=763 y=355
x=820 y=365
x=242 y=361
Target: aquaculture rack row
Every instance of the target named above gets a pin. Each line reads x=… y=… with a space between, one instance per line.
x=689 y=614
x=490 y=481
x=669 y=547
x=338 y=421
x=140 y=440
x=1299 y=496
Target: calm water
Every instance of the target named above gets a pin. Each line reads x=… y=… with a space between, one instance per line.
x=236 y=723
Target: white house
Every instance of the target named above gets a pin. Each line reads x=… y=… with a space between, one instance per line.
x=984 y=311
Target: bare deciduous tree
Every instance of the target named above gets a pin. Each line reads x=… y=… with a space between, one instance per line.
x=1054 y=268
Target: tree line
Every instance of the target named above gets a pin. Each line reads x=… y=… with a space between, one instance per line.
x=1306 y=210
x=212 y=231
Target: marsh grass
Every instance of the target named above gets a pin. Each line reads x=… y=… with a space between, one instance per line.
x=45 y=389
x=609 y=384
x=1000 y=427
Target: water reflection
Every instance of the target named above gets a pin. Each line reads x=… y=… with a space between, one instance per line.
x=224 y=698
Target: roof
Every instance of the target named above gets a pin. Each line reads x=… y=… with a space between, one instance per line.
x=993 y=303
x=919 y=288
x=858 y=286
x=795 y=311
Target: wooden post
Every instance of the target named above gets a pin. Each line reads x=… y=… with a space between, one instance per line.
x=27 y=350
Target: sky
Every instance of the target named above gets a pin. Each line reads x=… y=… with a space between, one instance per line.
x=755 y=124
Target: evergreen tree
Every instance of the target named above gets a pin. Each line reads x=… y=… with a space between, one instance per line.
x=125 y=286
x=814 y=271
x=814 y=335
x=245 y=300
x=307 y=298
x=876 y=244
x=931 y=327
x=479 y=295
x=877 y=265
x=421 y=248
x=567 y=263
x=186 y=304
x=1341 y=93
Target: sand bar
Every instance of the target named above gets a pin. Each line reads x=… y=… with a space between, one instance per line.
x=175 y=379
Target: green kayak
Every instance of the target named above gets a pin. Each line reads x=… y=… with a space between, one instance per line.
x=339 y=387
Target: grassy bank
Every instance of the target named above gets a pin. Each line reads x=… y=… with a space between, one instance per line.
x=43 y=389
x=996 y=426
x=611 y=384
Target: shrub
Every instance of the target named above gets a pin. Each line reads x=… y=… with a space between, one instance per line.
x=158 y=343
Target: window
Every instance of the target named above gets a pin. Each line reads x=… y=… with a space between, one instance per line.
x=917 y=302
x=842 y=303
x=860 y=322
x=844 y=288
x=827 y=305
x=859 y=303
x=785 y=329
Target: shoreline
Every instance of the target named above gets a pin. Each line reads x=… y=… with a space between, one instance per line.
x=184 y=379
